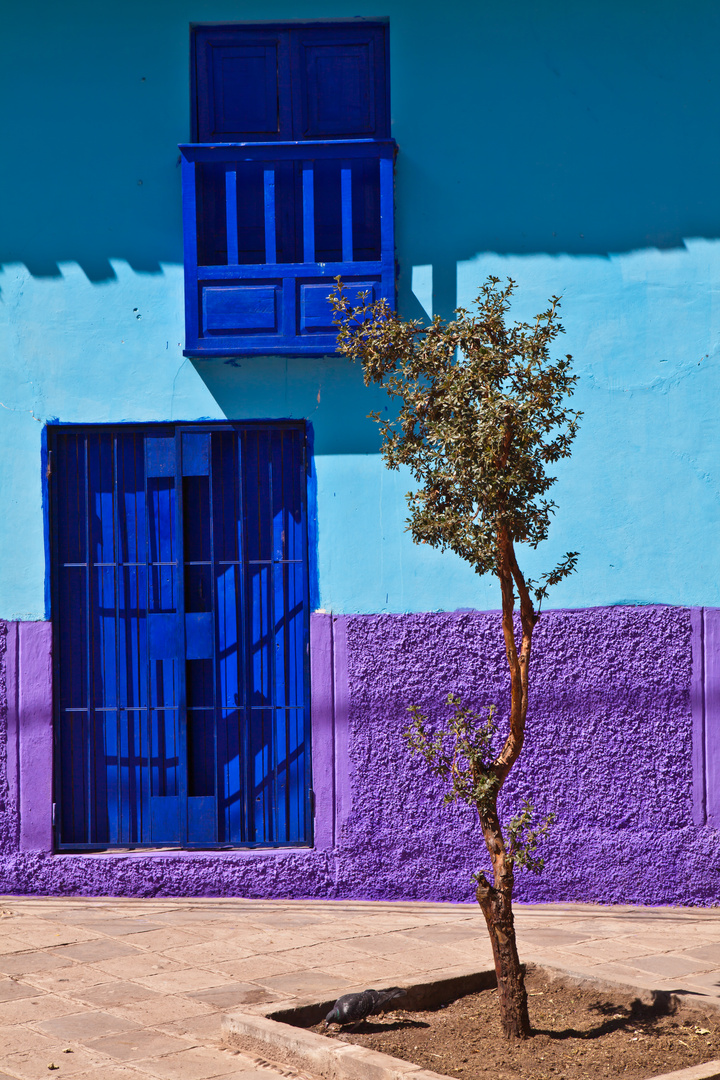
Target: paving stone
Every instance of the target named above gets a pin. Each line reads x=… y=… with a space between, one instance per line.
x=313 y=956
x=232 y=994
x=264 y=944
x=114 y=993
x=142 y=1043
x=710 y=952
x=23 y=963
x=626 y=974
x=31 y=1010
x=205 y=953
x=303 y=982
x=186 y=979
x=163 y=938
x=115 y=1072
x=250 y=1074
x=258 y=967
x=549 y=936
x=85 y=1025
x=193 y=1064
x=708 y=982
x=450 y=935
x=434 y=958
x=68 y=979
x=11 y=990
x=124 y=927
x=385 y=944
x=607 y=950
x=284 y=919
x=97 y=949
x=138 y=966
x=13 y=945
x=30 y=1065
x=18 y=1037
x=55 y=935
x=376 y=970
x=162 y=1009
x=206 y=1029
x=669 y=966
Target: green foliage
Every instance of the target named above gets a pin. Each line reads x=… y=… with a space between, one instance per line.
x=463 y=755
x=482 y=414
x=523 y=838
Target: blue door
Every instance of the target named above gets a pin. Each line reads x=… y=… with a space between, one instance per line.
x=180 y=615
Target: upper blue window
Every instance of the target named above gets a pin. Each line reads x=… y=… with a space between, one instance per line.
x=289 y=184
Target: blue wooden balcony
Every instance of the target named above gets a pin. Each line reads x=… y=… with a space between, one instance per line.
x=268 y=226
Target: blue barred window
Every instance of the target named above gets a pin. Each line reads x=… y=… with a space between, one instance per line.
x=288 y=184
x=180 y=614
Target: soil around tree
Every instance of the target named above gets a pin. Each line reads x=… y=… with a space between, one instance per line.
x=579 y=1033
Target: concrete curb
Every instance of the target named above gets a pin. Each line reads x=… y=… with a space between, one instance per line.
x=277 y=1031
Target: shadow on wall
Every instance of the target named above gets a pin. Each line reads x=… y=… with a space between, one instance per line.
x=556 y=127
x=524 y=127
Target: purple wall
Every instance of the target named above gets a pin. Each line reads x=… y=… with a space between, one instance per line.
x=623 y=741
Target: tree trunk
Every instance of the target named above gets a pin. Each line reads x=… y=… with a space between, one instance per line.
x=512 y=997
x=496 y=900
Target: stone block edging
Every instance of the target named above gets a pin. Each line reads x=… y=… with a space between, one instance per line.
x=271 y=1031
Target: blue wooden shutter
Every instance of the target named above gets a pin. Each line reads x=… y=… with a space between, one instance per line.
x=340 y=82
x=278 y=83
x=180 y=608
x=242 y=82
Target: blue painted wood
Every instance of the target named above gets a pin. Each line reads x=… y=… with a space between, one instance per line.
x=239 y=90
x=165 y=819
x=318 y=271
x=199 y=635
x=307 y=105
x=337 y=86
x=347 y=214
x=202 y=820
x=182 y=703
x=280 y=81
x=351 y=187
x=308 y=211
x=231 y=216
x=316 y=312
x=190 y=247
x=196 y=462
x=269 y=200
x=232 y=309
x=287 y=150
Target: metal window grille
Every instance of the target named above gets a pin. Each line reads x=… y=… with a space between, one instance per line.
x=180 y=613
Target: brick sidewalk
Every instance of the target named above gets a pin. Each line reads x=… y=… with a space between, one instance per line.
x=136 y=988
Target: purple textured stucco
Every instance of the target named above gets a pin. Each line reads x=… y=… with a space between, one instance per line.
x=35 y=731
x=609 y=750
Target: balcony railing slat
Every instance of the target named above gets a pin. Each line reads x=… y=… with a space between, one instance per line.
x=231 y=216
x=308 y=211
x=189 y=205
x=346 y=202
x=269 y=194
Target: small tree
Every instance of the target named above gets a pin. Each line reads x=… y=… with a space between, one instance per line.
x=482 y=413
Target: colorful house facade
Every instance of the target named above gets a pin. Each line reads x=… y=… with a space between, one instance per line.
x=212 y=620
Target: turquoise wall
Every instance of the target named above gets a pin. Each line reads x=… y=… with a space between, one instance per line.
x=570 y=146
